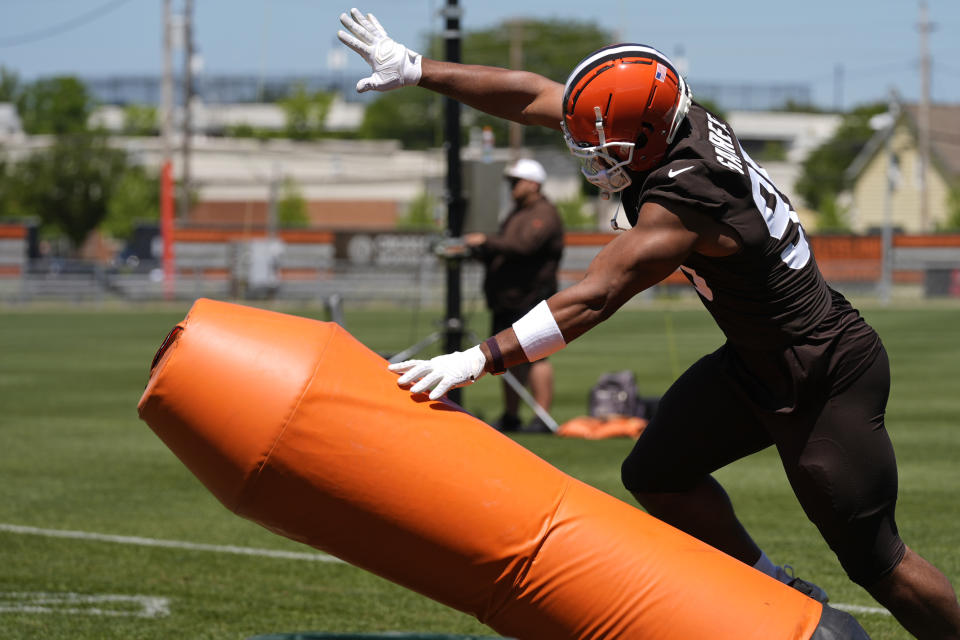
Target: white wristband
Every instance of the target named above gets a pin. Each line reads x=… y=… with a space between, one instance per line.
x=538 y=333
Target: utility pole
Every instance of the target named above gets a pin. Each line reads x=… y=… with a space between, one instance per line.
x=187 y=110
x=923 y=116
x=166 y=90
x=893 y=180
x=516 y=62
x=456 y=206
x=838 y=87
x=166 y=171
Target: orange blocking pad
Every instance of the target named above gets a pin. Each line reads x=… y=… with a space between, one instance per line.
x=294 y=424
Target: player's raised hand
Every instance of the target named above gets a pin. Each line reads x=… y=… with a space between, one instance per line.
x=442 y=373
x=393 y=64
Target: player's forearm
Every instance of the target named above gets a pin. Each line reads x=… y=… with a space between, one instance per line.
x=575 y=311
x=582 y=306
x=630 y=263
x=579 y=308
x=519 y=96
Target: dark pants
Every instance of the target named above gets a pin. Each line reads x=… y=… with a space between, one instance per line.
x=835 y=451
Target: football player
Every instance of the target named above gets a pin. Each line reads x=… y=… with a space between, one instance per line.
x=800 y=368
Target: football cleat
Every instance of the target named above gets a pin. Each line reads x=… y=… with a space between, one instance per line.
x=807 y=588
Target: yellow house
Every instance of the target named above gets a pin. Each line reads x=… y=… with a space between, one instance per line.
x=868 y=175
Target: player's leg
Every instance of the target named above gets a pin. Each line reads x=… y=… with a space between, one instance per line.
x=541 y=383
x=844 y=473
x=920 y=597
x=705 y=512
x=510 y=420
x=700 y=426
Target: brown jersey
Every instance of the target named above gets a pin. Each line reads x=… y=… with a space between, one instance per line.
x=769 y=296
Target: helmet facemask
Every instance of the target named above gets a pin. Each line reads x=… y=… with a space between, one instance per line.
x=605 y=170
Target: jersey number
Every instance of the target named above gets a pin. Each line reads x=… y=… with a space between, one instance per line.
x=777 y=215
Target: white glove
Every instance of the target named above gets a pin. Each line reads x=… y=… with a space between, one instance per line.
x=393 y=65
x=443 y=373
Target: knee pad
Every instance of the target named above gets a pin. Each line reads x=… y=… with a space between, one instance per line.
x=854 y=513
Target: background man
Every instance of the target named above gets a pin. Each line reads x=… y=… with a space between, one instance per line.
x=800 y=370
x=521 y=262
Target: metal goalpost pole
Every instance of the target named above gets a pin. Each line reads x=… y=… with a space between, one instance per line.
x=456 y=205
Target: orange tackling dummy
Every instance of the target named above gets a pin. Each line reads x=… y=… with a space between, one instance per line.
x=295 y=425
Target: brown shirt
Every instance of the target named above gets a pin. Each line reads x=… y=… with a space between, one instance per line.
x=522 y=258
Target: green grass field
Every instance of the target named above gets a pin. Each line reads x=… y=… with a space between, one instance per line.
x=75 y=457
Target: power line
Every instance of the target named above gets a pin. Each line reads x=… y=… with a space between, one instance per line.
x=63 y=27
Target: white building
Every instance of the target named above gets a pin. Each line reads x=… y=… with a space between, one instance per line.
x=218 y=119
x=797 y=134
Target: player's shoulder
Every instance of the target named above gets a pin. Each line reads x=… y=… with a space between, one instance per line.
x=705 y=160
x=708 y=142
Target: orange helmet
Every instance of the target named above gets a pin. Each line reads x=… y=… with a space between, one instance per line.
x=622 y=106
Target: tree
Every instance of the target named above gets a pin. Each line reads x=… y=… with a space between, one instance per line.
x=79 y=182
x=772 y=151
x=551 y=48
x=8 y=205
x=574 y=213
x=420 y=214
x=292 y=206
x=58 y=106
x=68 y=186
x=305 y=112
x=953 y=208
x=822 y=174
x=414 y=117
x=140 y=120
x=9 y=85
x=830 y=216
x=134 y=197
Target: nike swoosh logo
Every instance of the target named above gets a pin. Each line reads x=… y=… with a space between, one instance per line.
x=673 y=173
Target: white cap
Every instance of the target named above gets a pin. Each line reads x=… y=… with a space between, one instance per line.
x=527 y=169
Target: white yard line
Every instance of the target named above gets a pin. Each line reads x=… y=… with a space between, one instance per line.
x=136 y=606
x=169 y=544
x=859 y=608
x=267 y=553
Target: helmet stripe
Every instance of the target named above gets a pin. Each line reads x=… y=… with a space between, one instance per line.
x=609 y=53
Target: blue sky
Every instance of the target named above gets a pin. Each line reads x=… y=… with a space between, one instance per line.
x=745 y=42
